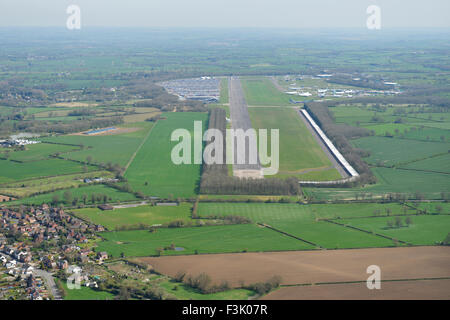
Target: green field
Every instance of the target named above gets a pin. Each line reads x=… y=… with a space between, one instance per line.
x=432 y=207
x=184 y=292
x=104 y=148
x=148 y=215
x=298 y=149
x=85 y=293
x=391 y=151
x=424 y=229
x=40 y=151
x=440 y=163
x=262 y=92
x=223 y=91
x=113 y=195
x=211 y=239
x=29 y=187
x=11 y=171
x=300 y=221
x=398 y=180
x=153 y=164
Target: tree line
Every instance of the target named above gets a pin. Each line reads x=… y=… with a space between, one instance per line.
x=339 y=134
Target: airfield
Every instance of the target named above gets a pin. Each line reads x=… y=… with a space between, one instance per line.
x=321 y=240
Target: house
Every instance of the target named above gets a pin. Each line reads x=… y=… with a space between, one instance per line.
x=105 y=207
x=102 y=255
x=167 y=204
x=63 y=264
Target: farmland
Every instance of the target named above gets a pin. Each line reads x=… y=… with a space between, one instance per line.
x=104 y=148
x=300 y=222
x=148 y=215
x=152 y=171
x=311 y=267
x=15 y=171
x=96 y=192
x=212 y=239
x=389 y=151
x=420 y=230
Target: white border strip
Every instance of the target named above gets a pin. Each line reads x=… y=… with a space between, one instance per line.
x=330 y=145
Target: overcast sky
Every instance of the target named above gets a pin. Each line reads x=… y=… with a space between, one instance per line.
x=227 y=13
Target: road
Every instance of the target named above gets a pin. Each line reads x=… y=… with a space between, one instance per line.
x=46 y=276
x=49 y=281
x=240 y=119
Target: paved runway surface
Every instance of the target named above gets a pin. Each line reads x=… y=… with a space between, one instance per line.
x=240 y=119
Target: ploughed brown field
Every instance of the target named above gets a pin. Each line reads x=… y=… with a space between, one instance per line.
x=391 y=290
x=312 y=267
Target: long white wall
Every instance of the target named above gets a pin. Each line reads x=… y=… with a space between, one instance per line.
x=330 y=145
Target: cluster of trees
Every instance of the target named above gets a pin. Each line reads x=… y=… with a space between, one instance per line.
x=81 y=112
x=262 y=288
x=36 y=126
x=339 y=134
x=398 y=222
x=202 y=283
x=229 y=219
x=362 y=83
x=215 y=184
x=69 y=199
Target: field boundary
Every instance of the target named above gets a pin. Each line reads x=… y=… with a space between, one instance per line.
x=368 y=232
x=359 y=281
x=288 y=234
x=139 y=147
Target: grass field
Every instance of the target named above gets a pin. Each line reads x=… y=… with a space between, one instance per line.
x=153 y=163
x=113 y=195
x=30 y=187
x=424 y=229
x=437 y=164
x=391 y=151
x=224 y=91
x=148 y=215
x=212 y=239
x=85 y=293
x=105 y=148
x=14 y=171
x=184 y=292
x=297 y=220
x=40 y=151
x=298 y=149
x=262 y=92
x=398 y=180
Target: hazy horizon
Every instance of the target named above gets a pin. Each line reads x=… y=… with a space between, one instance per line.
x=283 y=14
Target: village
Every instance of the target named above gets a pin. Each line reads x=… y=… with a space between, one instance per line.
x=36 y=244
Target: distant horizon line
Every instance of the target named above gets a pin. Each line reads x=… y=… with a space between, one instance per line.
x=359 y=28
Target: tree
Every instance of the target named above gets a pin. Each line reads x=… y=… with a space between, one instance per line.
x=55 y=199
x=398 y=222
x=408 y=221
x=446 y=241
x=67 y=197
x=124 y=293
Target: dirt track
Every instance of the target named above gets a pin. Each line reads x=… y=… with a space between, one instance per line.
x=309 y=267
x=405 y=290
